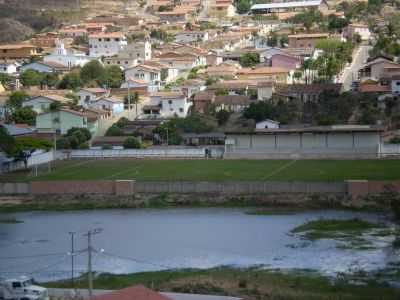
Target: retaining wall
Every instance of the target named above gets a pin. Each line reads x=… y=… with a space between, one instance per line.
x=359 y=188
x=353 y=188
x=14 y=188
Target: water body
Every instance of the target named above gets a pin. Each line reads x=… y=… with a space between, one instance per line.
x=151 y=239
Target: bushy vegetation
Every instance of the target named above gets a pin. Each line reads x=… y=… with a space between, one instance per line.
x=75 y=138
x=132 y=143
x=249 y=60
x=172 y=129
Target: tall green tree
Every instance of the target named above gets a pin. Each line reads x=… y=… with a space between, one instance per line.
x=24 y=115
x=7 y=142
x=15 y=100
x=31 y=78
x=94 y=71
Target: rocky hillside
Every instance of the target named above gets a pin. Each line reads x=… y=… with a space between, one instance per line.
x=12 y=30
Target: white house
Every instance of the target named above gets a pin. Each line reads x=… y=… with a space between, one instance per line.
x=112 y=104
x=131 y=55
x=44 y=67
x=90 y=95
x=267 y=124
x=42 y=103
x=171 y=104
x=395 y=85
x=361 y=29
x=191 y=36
x=106 y=44
x=67 y=58
x=9 y=67
x=152 y=73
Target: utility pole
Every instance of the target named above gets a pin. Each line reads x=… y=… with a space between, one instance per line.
x=129 y=99
x=90 y=277
x=90 y=250
x=72 y=233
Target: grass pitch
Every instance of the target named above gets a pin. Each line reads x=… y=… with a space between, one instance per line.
x=215 y=170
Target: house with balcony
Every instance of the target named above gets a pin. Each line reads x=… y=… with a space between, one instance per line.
x=167 y=105
x=106 y=44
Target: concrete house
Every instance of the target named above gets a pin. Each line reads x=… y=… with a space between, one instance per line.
x=357 y=29
x=89 y=95
x=286 y=61
x=152 y=73
x=17 y=51
x=191 y=36
x=181 y=61
x=267 y=124
x=62 y=120
x=275 y=74
x=174 y=16
x=306 y=40
x=106 y=44
x=306 y=92
x=222 y=8
x=42 y=103
x=232 y=103
x=289 y=6
x=337 y=141
x=113 y=105
x=9 y=67
x=44 y=67
x=131 y=55
x=379 y=68
x=202 y=100
x=171 y=104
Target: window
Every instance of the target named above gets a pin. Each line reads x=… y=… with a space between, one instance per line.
x=16 y=285
x=99 y=40
x=181 y=110
x=107 y=39
x=169 y=101
x=397 y=82
x=126 y=62
x=117 y=39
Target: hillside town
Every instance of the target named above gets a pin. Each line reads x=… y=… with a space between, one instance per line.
x=199 y=149
x=207 y=71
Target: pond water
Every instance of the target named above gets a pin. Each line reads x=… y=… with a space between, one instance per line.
x=155 y=239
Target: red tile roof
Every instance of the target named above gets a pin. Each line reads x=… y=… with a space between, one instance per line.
x=138 y=292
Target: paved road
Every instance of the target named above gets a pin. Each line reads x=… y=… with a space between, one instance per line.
x=351 y=73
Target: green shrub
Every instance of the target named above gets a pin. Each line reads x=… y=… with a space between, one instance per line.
x=132 y=143
x=114 y=130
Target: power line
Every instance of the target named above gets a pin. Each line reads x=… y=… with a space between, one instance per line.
x=33 y=256
x=136 y=260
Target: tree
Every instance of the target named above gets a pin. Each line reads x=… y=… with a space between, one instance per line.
x=222 y=116
x=243 y=6
x=249 y=59
x=132 y=143
x=5 y=78
x=114 y=130
x=15 y=100
x=31 y=78
x=24 y=115
x=94 y=71
x=71 y=81
x=114 y=76
x=7 y=142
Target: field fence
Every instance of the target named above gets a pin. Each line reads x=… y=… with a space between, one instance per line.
x=139 y=153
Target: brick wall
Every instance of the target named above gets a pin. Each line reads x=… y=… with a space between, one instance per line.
x=359 y=188
x=104 y=187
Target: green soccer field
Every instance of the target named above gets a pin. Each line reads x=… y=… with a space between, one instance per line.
x=216 y=170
